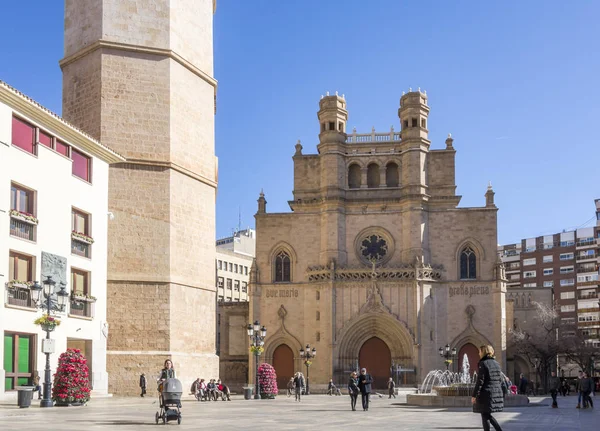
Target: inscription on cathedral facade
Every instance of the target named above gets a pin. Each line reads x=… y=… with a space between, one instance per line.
x=282 y=293
x=469 y=290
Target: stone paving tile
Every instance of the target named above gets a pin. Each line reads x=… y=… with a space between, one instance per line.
x=316 y=411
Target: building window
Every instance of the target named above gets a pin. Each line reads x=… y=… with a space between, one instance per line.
x=566 y=269
x=529 y=274
x=530 y=285
x=567 y=295
x=220 y=282
x=245 y=270
x=527 y=262
x=567 y=282
x=547 y=259
x=22 y=213
x=23 y=135
x=392 y=175
x=62 y=148
x=20 y=276
x=220 y=299
x=81 y=165
x=235 y=268
x=566 y=256
x=373 y=177
x=567 y=243
x=318 y=317
x=354 y=176
x=220 y=264
x=80 y=289
x=230 y=267
x=414 y=122
x=318 y=295
x=229 y=283
x=468 y=264
x=81 y=233
x=331 y=125
x=567 y=308
x=549 y=283
x=236 y=285
x=282 y=267
x=19 y=360
x=244 y=287
x=548 y=271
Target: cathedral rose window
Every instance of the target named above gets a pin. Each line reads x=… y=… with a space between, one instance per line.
x=373 y=248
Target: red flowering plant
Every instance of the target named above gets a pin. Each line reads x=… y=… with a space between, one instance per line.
x=71 y=381
x=267 y=381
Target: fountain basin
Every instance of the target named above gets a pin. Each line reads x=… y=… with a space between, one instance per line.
x=436 y=400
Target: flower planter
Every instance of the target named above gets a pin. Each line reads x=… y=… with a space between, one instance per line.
x=48 y=328
x=82 y=238
x=80 y=298
x=25 y=218
x=18 y=285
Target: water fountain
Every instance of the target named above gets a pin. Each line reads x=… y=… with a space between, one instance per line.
x=450 y=389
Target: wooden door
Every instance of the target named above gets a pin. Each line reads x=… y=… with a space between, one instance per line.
x=375 y=356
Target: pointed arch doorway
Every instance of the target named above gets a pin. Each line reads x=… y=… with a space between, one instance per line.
x=283 y=362
x=375 y=356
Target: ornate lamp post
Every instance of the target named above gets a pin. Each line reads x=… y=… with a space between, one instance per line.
x=45 y=301
x=447 y=354
x=307 y=355
x=257 y=336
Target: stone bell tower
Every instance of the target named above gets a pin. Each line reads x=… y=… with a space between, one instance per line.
x=138 y=76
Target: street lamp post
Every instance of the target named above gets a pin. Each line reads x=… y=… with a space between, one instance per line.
x=257 y=336
x=48 y=291
x=448 y=354
x=307 y=355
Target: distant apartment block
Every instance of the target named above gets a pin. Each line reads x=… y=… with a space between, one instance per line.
x=234 y=259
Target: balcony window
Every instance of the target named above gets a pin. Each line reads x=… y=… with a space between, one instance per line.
x=81 y=239
x=220 y=282
x=229 y=284
x=81 y=299
x=45 y=139
x=23 y=135
x=236 y=285
x=22 y=208
x=244 y=287
x=20 y=276
x=62 y=148
x=81 y=165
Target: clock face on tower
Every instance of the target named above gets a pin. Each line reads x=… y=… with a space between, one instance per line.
x=373 y=248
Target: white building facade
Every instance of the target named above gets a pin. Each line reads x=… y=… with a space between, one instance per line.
x=234 y=260
x=53 y=221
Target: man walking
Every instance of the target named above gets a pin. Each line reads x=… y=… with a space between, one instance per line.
x=578 y=389
x=143 y=384
x=364 y=384
x=554 y=384
x=586 y=385
x=523 y=384
x=298 y=385
x=391 y=388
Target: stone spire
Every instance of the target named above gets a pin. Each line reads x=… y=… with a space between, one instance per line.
x=449 y=142
x=262 y=203
x=489 y=196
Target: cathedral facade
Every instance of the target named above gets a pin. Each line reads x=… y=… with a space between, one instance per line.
x=376 y=266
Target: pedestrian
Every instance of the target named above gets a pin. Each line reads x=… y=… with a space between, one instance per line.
x=587 y=384
x=298 y=385
x=554 y=385
x=353 y=389
x=578 y=389
x=523 y=384
x=35 y=380
x=490 y=389
x=391 y=388
x=143 y=384
x=290 y=387
x=364 y=384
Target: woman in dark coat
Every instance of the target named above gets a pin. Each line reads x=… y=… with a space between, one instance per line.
x=353 y=390
x=490 y=388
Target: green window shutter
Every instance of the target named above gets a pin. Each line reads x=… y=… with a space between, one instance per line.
x=8 y=353
x=24 y=346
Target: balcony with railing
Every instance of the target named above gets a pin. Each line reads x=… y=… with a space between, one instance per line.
x=82 y=305
x=588 y=296
x=81 y=244
x=369 y=138
x=19 y=294
x=587 y=267
x=587 y=256
x=23 y=225
x=588 y=323
x=586 y=242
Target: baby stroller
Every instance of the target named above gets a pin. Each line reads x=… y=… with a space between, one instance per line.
x=169 y=396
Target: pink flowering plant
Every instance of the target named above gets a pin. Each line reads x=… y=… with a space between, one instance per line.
x=267 y=381
x=71 y=381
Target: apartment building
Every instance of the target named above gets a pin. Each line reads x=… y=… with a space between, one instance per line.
x=53 y=222
x=234 y=260
x=562 y=269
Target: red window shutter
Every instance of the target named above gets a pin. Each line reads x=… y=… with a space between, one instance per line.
x=62 y=148
x=45 y=139
x=81 y=165
x=23 y=135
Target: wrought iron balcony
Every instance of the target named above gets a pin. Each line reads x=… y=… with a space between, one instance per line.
x=19 y=294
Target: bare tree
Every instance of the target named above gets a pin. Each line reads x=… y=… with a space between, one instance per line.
x=539 y=346
x=576 y=350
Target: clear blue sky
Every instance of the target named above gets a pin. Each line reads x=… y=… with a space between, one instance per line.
x=516 y=83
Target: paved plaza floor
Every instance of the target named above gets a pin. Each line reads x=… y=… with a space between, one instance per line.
x=314 y=412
